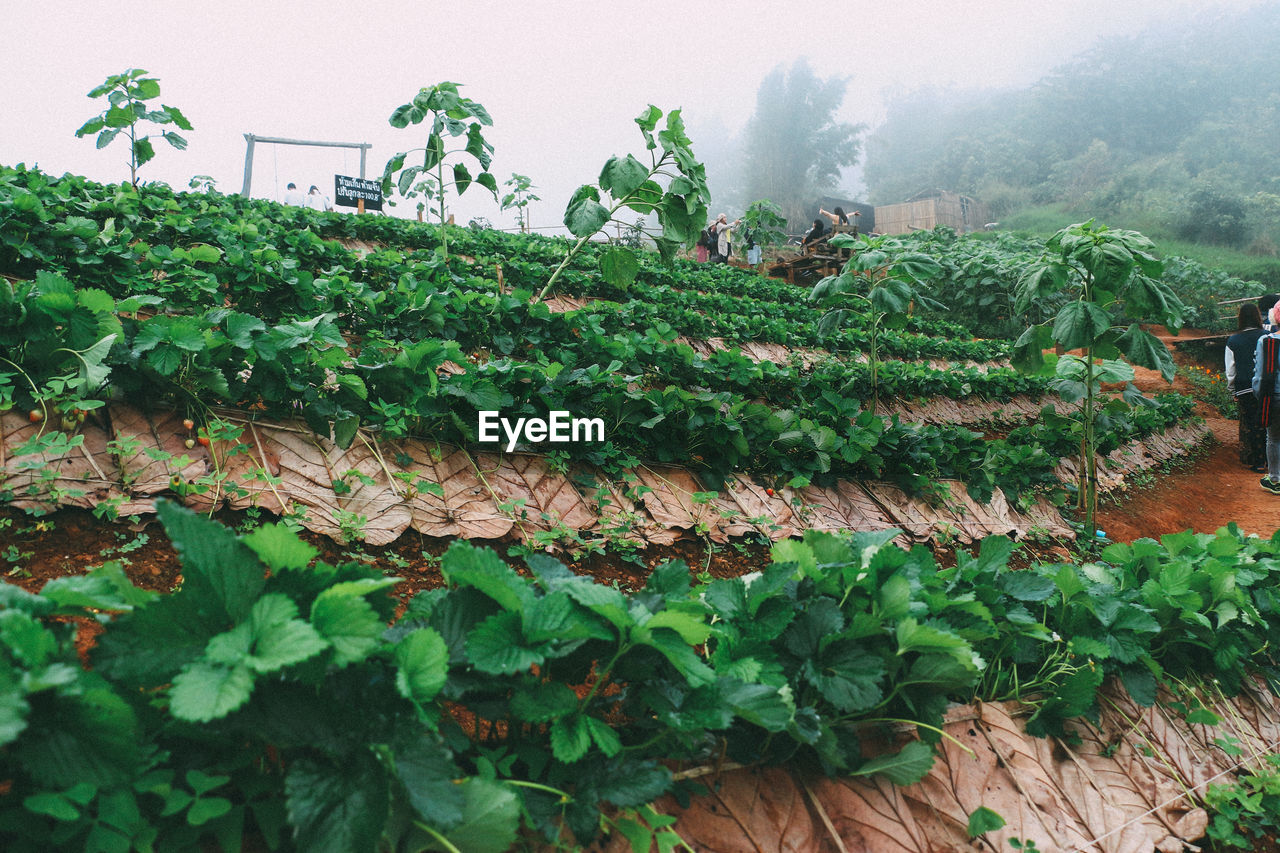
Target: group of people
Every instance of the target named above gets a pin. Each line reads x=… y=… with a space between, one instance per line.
x=314 y=199
x=1253 y=377
x=716 y=242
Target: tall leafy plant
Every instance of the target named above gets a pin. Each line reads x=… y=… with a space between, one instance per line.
x=451 y=117
x=764 y=221
x=426 y=192
x=1111 y=272
x=626 y=182
x=519 y=199
x=126 y=96
x=882 y=280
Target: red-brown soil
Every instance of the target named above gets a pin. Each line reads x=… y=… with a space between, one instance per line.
x=1201 y=494
x=70 y=541
x=34 y=551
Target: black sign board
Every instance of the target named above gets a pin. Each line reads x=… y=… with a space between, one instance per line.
x=349 y=192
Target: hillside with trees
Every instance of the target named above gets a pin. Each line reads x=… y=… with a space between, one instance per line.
x=1172 y=131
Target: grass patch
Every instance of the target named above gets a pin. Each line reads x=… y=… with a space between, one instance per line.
x=1043 y=220
x=1040 y=220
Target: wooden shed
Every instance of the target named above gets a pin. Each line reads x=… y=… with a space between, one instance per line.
x=927 y=211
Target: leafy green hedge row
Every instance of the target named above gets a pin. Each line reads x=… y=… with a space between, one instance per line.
x=662 y=401
x=981 y=274
x=277 y=696
x=1201 y=289
x=703 y=301
x=58 y=222
x=194 y=250
x=280 y=347
x=69 y=350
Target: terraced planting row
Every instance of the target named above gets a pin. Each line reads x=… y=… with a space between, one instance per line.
x=663 y=401
x=122 y=460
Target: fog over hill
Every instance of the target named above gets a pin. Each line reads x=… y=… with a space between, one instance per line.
x=563 y=80
x=1175 y=128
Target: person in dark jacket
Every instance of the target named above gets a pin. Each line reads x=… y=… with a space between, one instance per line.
x=815 y=235
x=1239 y=362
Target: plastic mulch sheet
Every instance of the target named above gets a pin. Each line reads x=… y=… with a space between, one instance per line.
x=1131 y=784
x=374 y=491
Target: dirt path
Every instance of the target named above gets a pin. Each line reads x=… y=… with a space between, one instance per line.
x=1204 y=494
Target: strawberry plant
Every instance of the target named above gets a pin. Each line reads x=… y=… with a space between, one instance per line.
x=127 y=94
x=1246 y=812
x=273 y=698
x=58 y=340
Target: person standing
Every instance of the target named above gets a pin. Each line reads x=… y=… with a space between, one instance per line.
x=724 y=238
x=1265 y=303
x=1266 y=388
x=705 y=245
x=754 y=250
x=294 y=196
x=1239 y=363
x=316 y=200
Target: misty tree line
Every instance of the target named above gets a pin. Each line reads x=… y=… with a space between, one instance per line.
x=1173 y=131
x=793 y=149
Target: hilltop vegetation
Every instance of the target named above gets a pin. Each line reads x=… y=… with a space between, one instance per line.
x=1171 y=132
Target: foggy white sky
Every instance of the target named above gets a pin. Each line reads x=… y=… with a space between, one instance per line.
x=563 y=80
